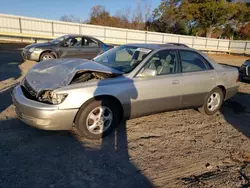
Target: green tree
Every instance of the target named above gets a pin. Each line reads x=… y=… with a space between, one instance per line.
x=200 y=16
x=239 y=15
x=245 y=32
x=209 y=15
x=167 y=16
x=180 y=27
x=229 y=31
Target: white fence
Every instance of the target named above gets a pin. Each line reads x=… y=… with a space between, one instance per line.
x=18 y=26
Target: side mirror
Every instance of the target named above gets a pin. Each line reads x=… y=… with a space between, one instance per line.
x=148 y=73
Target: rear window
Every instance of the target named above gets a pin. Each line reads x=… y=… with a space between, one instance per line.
x=192 y=62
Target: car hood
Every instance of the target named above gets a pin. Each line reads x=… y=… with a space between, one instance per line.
x=53 y=74
x=39 y=45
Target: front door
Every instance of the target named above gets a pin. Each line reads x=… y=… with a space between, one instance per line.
x=71 y=48
x=161 y=92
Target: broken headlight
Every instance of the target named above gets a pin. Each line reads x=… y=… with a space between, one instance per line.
x=52 y=97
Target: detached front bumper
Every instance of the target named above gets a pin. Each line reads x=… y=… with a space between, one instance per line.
x=34 y=56
x=42 y=116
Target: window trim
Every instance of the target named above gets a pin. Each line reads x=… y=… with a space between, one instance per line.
x=201 y=57
x=178 y=62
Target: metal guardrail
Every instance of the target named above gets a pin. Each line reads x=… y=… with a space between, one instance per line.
x=22 y=28
x=29 y=36
x=34 y=38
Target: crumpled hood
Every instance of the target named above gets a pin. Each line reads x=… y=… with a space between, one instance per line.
x=57 y=73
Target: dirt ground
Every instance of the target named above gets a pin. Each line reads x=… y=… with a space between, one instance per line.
x=173 y=149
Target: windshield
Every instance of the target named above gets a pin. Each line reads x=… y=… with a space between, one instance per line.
x=123 y=58
x=58 y=40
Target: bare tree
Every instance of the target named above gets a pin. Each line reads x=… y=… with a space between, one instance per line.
x=100 y=16
x=123 y=17
x=147 y=13
x=70 y=18
x=141 y=13
x=97 y=10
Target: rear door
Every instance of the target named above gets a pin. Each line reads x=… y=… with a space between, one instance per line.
x=161 y=92
x=90 y=48
x=198 y=78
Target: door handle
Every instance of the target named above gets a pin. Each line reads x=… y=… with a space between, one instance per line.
x=175 y=82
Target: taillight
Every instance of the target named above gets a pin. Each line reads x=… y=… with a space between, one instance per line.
x=238 y=78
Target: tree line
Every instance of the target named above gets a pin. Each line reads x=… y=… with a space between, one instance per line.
x=218 y=18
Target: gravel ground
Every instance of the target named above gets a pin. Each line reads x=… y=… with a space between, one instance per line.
x=173 y=149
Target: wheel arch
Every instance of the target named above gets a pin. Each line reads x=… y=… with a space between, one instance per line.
x=223 y=89
x=48 y=51
x=98 y=98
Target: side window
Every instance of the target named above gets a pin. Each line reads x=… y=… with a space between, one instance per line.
x=164 y=62
x=192 y=62
x=88 y=42
x=73 y=42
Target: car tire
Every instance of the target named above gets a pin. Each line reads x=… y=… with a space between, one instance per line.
x=89 y=122
x=46 y=56
x=213 y=102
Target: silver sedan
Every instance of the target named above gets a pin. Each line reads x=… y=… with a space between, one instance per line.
x=128 y=81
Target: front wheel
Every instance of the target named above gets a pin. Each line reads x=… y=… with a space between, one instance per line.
x=213 y=102
x=47 y=56
x=97 y=119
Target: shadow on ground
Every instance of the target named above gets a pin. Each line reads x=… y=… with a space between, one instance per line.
x=5 y=98
x=10 y=59
x=236 y=112
x=35 y=158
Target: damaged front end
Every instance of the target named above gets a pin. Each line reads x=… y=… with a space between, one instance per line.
x=49 y=96
x=85 y=76
x=45 y=96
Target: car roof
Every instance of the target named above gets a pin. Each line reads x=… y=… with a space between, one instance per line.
x=80 y=35
x=158 y=46
x=75 y=35
x=178 y=44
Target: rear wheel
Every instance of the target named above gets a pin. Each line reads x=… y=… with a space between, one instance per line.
x=47 y=56
x=97 y=119
x=213 y=102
